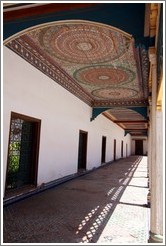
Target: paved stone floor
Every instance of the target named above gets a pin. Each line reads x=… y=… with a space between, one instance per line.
x=105 y=206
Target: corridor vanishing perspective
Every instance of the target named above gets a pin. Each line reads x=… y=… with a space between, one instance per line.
x=107 y=205
x=83 y=122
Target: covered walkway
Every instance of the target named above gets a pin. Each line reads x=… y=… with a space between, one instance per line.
x=107 y=205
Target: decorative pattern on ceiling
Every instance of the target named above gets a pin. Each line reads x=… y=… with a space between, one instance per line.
x=102 y=75
x=81 y=43
x=96 y=62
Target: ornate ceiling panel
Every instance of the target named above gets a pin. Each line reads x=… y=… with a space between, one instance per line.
x=93 y=59
x=100 y=64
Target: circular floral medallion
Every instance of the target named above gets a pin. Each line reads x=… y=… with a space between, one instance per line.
x=114 y=93
x=82 y=43
x=104 y=75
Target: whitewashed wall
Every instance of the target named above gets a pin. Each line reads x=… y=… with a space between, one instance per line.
x=145 y=147
x=28 y=91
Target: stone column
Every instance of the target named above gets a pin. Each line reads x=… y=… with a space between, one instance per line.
x=159 y=169
x=156 y=219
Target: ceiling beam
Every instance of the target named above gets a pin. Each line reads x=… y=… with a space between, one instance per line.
x=131 y=121
x=136 y=129
x=98 y=110
x=43 y=9
x=137 y=132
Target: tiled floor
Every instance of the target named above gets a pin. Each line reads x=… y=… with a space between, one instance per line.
x=106 y=206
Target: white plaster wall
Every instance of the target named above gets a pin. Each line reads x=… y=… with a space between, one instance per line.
x=145 y=147
x=133 y=147
x=28 y=91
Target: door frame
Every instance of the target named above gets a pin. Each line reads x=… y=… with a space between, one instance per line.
x=142 y=147
x=122 y=149
x=114 y=150
x=36 y=143
x=103 y=149
x=86 y=145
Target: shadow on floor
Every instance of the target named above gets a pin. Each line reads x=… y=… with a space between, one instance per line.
x=76 y=211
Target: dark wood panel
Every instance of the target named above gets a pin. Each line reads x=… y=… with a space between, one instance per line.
x=139 y=147
x=114 y=149
x=82 y=150
x=43 y=9
x=103 y=150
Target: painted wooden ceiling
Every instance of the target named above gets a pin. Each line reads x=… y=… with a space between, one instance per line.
x=99 y=63
x=131 y=121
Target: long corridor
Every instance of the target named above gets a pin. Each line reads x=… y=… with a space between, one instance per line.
x=107 y=205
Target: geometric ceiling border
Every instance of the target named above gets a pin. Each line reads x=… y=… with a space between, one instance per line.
x=120 y=103
x=143 y=65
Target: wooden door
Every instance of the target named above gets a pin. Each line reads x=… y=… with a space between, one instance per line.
x=138 y=147
x=122 y=149
x=114 y=149
x=103 y=149
x=82 y=150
